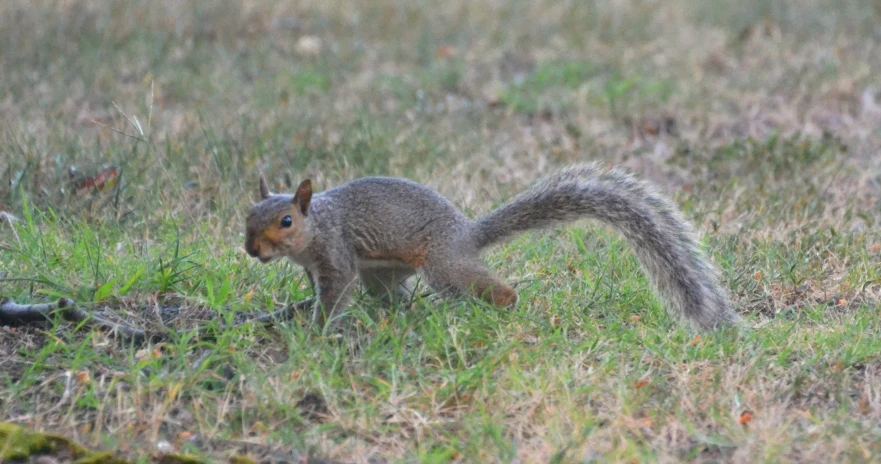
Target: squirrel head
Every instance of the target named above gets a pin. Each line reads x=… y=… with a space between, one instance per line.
x=280 y=224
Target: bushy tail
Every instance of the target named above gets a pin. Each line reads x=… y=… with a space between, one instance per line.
x=664 y=242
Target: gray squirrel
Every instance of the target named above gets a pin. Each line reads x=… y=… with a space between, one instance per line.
x=382 y=230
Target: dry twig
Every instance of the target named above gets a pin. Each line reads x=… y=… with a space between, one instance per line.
x=12 y=313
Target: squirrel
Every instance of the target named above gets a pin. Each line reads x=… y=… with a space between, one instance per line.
x=382 y=230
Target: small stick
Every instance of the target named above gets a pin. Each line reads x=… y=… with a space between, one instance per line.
x=14 y=313
x=265 y=319
x=280 y=315
x=269 y=319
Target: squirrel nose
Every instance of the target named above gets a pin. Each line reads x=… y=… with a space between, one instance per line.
x=253 y=249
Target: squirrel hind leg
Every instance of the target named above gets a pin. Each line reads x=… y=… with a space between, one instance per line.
x=469 y=278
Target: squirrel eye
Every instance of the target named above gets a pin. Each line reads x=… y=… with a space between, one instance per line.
x=286 y=222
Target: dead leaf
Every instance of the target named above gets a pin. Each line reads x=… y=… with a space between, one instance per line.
x=445 y=52
x=83 y=182
x=141 y=355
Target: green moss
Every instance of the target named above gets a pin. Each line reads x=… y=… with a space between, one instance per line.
x=179 y=459
x=100 y=458
x=241 y=460
x=17 y=444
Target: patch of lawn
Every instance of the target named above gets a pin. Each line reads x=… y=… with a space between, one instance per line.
x=187 y=104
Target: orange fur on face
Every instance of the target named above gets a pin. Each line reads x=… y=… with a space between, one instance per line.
x=291 y=238
x=276 y=236
x=266 y=238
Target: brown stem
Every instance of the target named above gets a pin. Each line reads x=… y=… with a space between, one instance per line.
x=280 y=315
x=12 y=313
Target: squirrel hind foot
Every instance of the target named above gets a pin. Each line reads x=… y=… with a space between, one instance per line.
x=497 y=294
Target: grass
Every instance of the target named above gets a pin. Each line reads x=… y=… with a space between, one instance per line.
x=760 y=121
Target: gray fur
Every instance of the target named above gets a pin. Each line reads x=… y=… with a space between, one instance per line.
x=383 y=230
x=664 y=242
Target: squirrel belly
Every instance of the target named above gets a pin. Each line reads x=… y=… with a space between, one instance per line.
x=383 y=230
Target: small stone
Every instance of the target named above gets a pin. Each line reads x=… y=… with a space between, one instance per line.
x=164 y=446
x=45 y=460
x=308 y=46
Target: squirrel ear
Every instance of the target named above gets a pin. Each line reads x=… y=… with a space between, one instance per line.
x=264 y=190
x=304 y=196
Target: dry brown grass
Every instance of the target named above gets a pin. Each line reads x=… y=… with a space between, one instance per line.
x=762 y=120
